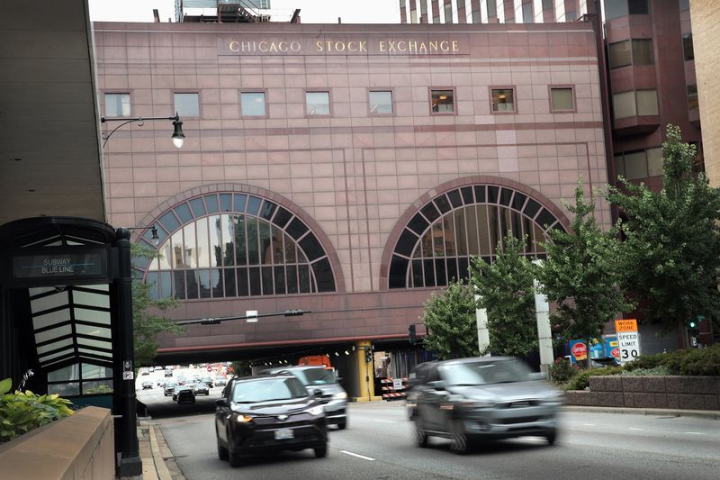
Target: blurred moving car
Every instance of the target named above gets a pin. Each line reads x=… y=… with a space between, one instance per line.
x=178 y=389
x=481 y=398
x=147 y=384
x=185 y=396
x=201 y=389
x=268 y=413
x=207 y=381
x=220 y=382
x=333 y=398
x=169 y=388
x=181 y=379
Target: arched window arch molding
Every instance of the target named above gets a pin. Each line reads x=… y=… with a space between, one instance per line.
x=275 y=212
x=405 y=240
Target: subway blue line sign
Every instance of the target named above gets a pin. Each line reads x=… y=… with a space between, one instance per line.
x=88 y=263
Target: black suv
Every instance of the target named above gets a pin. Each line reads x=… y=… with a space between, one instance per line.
x=268 y=413
x=486 y=397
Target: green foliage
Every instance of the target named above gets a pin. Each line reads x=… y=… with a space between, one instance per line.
x=450 y=322
x=506 y=291
x=563 y=370
x=702 y=361
x=582 y=273
x=658 y=371
x=581 y=381
x=21 y=412
x=147 y=323
x=672 y=248
x=241 y=369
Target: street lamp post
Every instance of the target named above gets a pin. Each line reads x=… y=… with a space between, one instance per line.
x=178 y=137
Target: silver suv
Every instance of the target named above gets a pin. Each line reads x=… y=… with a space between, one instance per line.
x=334 y=397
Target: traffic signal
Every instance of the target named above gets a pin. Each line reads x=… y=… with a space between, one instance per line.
x=368 y=355
x=693 y=328
x=411 y=334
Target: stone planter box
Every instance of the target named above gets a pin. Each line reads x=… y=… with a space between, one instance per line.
x=675 y=392
x=77 y=447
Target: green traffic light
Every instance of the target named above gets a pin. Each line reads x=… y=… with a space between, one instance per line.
x=692 y=324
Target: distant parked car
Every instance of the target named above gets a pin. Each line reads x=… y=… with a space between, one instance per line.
x=220 y=381
x=185 y=396
x=201 y=389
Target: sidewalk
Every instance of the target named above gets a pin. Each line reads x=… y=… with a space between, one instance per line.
x=157 y=459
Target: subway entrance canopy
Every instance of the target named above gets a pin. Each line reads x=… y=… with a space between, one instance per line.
x=66 y=314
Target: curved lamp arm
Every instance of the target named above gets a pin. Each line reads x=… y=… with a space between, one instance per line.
x=178 y=136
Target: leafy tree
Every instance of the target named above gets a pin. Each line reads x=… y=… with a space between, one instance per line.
x=450 y=322
x=672 y=244
x=582 y=274
x=147 y=324
x=506 y=291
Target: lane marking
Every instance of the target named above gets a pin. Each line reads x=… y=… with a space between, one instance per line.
x=636 y=429
x=694 y=433
x=356 y=455
x=589 y=424
x=382 y=421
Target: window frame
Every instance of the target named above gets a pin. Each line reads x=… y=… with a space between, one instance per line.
x=572 y=92
x=515 y=99
x=391 y=90
x=265 y=103
x=689 y=102
x=688 y=47
x=187 y=92
x=454 y=103
x=118 y=92
x=330 y=103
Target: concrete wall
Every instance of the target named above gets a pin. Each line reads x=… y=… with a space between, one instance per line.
x=74 y=448
x=677 y=392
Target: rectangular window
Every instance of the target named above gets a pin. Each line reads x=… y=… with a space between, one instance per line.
x=692 y=95
x=619 y=165
x=381 y=102
x=562 y=99
x=655 y=161
x=476 y=18
x=571 y=16
x=619 y=54
x=638 y=7
x=448 y=12
x=635 y=165
x=624 y=105
x=684 y=5
x=187 y=104
x=688 y=49
x=647 y=103
x=443 y=101
x=117 y=104
x=503 y=100
x=252 y=104
x=265 y=4
x=527 y=13
x=642 y=52
x=548 y=4
x=615 y=9
x=492 y=8
x=317 y=103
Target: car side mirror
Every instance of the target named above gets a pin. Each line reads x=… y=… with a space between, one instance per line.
x=338 y=379
x=538 y=376
x=317 y=393
x=437 y=385
x=221 y=402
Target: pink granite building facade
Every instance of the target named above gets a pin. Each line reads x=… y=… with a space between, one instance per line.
x=347 y=170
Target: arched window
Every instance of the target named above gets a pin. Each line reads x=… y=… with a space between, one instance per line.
x=439 y=241
x=225 y=245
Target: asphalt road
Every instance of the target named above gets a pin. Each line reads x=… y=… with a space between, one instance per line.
x=378 y=445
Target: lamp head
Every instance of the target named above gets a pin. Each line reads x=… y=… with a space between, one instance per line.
x=178 y=137
x=155 y=237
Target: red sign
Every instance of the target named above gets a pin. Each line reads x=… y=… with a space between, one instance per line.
x=209 y=368
x=615 y=352
x=579 y=351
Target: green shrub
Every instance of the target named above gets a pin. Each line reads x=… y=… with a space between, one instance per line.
x=581 y=381
x=658 y=371
x=562 y=370
x=21 y=412
x=703 y=361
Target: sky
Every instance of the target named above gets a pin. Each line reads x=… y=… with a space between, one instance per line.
x=311 y=11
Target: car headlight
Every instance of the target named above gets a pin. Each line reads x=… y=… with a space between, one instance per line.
x=477 y=403
x=340 y=396
x=315 y=411
x=557 y=399
x=244 y=419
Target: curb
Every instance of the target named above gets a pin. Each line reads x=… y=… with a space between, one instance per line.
x=707 y=414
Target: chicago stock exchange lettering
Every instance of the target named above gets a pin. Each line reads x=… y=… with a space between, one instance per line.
x=387 y=46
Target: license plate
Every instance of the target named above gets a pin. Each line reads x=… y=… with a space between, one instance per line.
x=284 y=434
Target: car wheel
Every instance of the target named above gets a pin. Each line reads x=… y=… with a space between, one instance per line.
x=421 y=438
x=222 y=451
x=342 y=425
x=459 y=441
x=321 y=452
x=551 y=437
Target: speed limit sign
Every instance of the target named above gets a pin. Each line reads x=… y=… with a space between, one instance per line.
x=628 y=340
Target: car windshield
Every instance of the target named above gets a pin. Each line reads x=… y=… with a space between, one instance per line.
x=485 y=373
x=268 y=389
x=316 y=376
